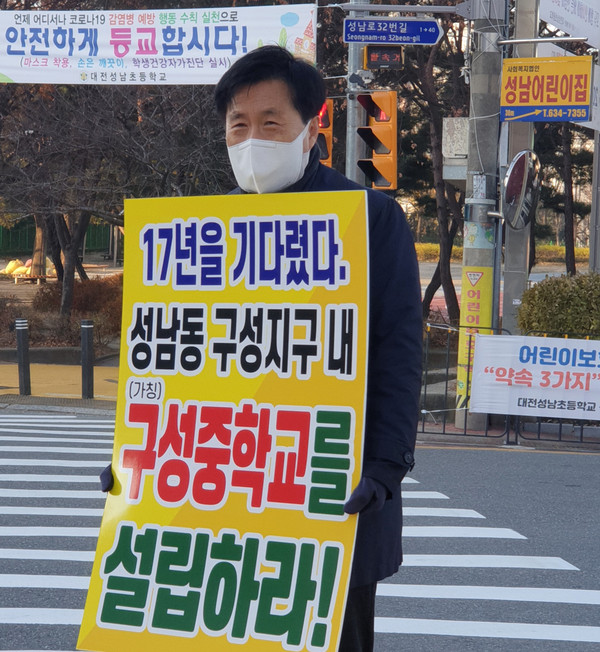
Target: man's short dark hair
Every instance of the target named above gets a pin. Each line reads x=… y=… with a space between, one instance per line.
x=307 y=88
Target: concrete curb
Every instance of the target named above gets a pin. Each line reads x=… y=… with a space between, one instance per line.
x=46 y=404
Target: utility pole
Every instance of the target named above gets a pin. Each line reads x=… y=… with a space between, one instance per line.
x=481 y=193
x=520 y=137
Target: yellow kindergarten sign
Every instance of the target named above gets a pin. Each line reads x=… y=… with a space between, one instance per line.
x=239 y=427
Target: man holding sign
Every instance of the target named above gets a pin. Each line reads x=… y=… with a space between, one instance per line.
x=270 y=102
x=195 y=406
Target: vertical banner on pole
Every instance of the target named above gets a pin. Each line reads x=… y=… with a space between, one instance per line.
x=239 y=426
x=476 y=315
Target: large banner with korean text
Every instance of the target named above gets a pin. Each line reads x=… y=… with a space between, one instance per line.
x=239 y=427
x=536 y=376
x=162 y=46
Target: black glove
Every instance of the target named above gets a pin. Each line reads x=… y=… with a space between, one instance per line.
x=369 y=496
x=106 y=479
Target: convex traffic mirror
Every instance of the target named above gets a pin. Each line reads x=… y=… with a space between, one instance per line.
x=521 y=189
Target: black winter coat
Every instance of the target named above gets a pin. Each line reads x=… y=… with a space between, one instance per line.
x=394 y=368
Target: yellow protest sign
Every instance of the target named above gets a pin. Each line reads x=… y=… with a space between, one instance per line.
x=239 y=425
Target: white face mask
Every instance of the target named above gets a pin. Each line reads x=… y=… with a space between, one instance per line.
x=268 y=165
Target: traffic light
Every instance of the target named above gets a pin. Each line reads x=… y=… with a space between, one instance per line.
x=325 y=137
x=381 y=136
x=377 y=57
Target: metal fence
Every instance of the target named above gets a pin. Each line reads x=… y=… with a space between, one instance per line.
x=19 y=240
x=440 y=415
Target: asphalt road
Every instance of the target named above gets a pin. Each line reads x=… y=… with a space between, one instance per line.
x=501 y=544
x=539 y=537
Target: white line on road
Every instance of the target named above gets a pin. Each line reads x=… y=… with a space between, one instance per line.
x=34 y=417
x=38 y=477
x=460 y=532
x=430 y=495
x=441 y=511
x=55 y=449
x=46 y=555
x=511 y=593
x=65 y=419
x=487 y=561
x=99 y=464
x=530 y=631
x=41 y=616
x=49 y=532
x=12 y=510
x=406 y=480
x=50 y=431
x=44 y=582
x=100 y=439
x=50 y=493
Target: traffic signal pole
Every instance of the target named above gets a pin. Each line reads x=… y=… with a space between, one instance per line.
x=481 y=196
x=355 y=147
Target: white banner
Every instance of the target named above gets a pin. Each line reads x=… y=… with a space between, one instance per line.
x=179 y=46
x=536 y=376
x=575 y=17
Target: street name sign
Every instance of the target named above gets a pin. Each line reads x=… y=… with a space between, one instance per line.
x=393 y=31
x=546 y=90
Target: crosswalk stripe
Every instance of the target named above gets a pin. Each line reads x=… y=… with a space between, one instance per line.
x=105 y=439
x=428 y=495
x=50 y=493
x=55 y=449
x=44 y=582
x=469 y=628
x=487 y=561
x=100 y=464
x=49 y=419
x=47 y=555
x=35 y=417
x=41 y=616
x=46 y=479
x=415 y=531
x=45 y=431
x=441 y=511
x=13 y=510
x=49 y=532
x=432 y=531
x=511 y=593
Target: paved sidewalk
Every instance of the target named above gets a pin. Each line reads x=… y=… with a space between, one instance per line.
x=57 y=386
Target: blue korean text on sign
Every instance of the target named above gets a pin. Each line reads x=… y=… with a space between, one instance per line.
x=394 y=31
